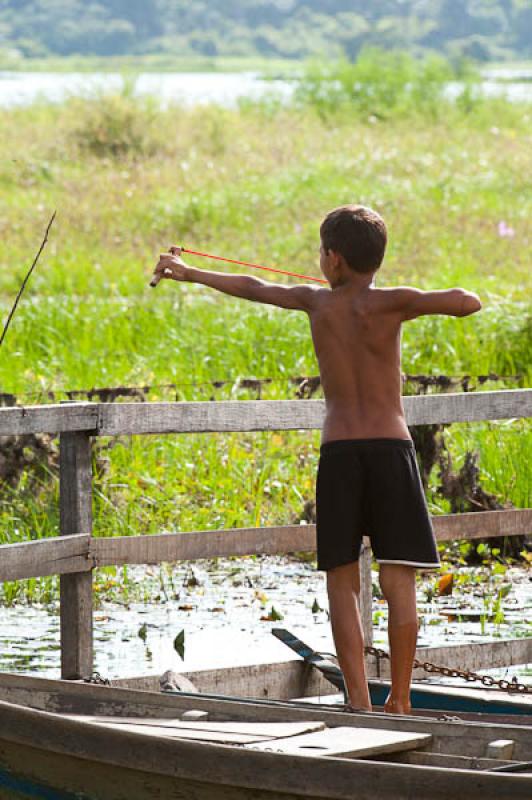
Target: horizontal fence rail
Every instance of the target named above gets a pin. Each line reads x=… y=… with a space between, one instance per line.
x=76 y=552
x=109 y=419
x=83 y=552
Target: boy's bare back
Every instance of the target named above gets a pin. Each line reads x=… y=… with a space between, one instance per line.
x=356 y=330
x=357 y=344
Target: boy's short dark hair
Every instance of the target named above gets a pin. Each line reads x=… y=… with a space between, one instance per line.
x=358 y=234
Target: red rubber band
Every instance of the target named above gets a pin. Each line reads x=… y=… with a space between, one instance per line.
x=255 y=266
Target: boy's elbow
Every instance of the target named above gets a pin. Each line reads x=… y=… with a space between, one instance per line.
x=470 y=303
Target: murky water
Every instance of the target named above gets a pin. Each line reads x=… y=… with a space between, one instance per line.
x=223 y=608
x=23 y=88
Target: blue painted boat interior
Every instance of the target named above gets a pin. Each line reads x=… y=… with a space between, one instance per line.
x=441 y=701
x=14 y=787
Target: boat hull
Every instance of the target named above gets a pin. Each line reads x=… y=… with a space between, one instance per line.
x=28 y=771
x=45 y=754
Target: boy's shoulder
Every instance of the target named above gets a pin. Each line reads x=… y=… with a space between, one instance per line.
x=374 y=298
x=388 y=297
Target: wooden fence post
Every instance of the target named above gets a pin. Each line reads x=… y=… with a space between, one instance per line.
x=366 y=595
x=75 y=482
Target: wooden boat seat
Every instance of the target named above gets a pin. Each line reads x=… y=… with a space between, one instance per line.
x=294 y=738
x=221 y=732
x=347 y=742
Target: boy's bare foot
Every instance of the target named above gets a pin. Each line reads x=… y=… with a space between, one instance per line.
x=350 y=709
x=392 y=706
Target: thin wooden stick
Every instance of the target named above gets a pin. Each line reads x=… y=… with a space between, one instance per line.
x=26 y=279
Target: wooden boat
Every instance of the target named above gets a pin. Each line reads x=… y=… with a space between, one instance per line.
x=426 y=697
x=61 y=740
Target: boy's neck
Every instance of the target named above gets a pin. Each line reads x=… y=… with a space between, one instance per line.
x=356 y=281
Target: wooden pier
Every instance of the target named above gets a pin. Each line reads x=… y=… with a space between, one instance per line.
x=76 y=552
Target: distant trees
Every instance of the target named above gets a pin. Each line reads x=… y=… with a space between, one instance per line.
x=291 y=28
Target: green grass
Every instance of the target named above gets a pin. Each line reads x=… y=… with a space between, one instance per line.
x=161 y=62
x=128 y=179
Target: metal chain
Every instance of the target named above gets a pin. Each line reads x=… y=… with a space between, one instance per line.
x=97 y=679
x=512 y=686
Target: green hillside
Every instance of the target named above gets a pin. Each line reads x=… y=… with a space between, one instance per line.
x=481 y=29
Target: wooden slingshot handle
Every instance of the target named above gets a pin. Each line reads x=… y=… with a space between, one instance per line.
x=158 y=278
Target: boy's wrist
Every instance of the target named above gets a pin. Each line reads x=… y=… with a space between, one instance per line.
x=191 y=274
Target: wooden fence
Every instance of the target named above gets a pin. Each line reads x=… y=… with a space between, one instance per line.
x=76 y=553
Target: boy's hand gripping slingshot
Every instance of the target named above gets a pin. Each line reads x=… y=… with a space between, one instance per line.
x=178 y=250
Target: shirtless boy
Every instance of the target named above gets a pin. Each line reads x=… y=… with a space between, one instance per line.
x=368 y=482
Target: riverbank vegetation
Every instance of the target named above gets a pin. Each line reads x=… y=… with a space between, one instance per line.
x=129 y=178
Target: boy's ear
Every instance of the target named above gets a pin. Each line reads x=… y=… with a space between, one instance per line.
x=334 y=258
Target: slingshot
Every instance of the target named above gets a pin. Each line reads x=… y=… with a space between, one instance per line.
x=157 y=278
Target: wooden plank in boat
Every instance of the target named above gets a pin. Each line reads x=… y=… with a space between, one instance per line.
x=230 y=732
x=354 y=742
x=218 y=737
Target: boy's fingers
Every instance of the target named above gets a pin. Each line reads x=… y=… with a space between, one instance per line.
x=159 y=275
x=163 y=268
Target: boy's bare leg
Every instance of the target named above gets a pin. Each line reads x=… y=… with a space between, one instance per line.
x=398 y=584
x=343 y=588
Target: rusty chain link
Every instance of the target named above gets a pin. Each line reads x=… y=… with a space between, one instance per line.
x=97 y=679
x=512 y=686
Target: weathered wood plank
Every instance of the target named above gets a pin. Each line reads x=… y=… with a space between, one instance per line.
x=45 y=557
x=76 y=589
x=285 y=680
x=263 y=730
x=208 y=417
x=468 y=406
x=474 y=656
x=57 y=418
x=229 y=732
x=142 y=418
x=286 y=539
x=483 y=524
x=269 y=415
x=346 y=742
x=82 y=553
x=202 y=544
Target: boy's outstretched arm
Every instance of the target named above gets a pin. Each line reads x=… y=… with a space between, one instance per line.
x=412 y=303
x=302 y=298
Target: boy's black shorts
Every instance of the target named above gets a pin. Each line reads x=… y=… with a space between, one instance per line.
x=372 y=487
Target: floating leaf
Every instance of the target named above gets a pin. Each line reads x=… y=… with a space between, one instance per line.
x=445 y=584
x=316 y=608
x=179 y=645
x=273 y=616
x=142 y=632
